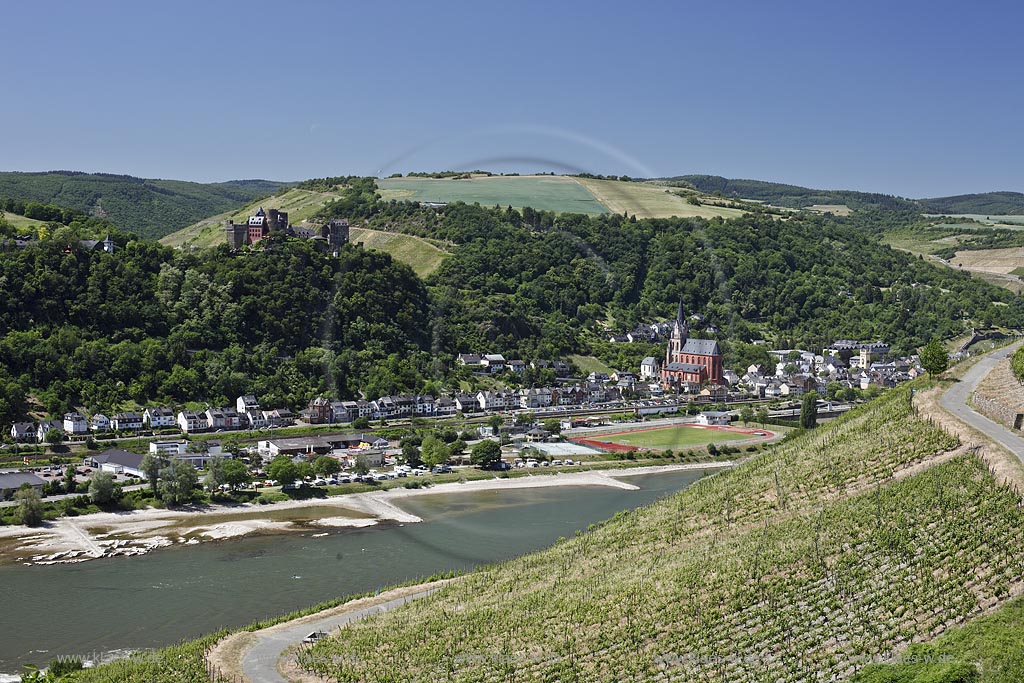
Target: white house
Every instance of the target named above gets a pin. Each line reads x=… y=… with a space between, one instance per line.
x=45 y=426
x=75 y=423
x=126 y=422
x=99 y=423
x=23 y=431
x=158 y=417
x=494 y=362
x=648 y=368
x=168 y=447
x=246 y=403
x=713 y=417
x=190 y=421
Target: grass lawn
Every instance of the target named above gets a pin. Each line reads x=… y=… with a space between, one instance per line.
x=547 y=193
x=672 y=437
x=416 y=252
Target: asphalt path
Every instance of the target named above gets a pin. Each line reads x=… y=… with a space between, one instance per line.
x=954 y=401
x=260 y=662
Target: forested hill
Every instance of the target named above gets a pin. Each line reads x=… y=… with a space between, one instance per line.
x=791 y=196
x=796 y=197
x=149 y=324
x=989 y=203
x=149 y=208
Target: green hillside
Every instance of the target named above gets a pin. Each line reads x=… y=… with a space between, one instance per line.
x=791 y=196
x=146 y=207
x=804 y=563
x=797 y=197
x=301 y=204
x=209 y=232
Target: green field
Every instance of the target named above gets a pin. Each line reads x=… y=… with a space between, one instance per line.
x=547 y=193
x=416 y=252
x=672 y=437
x=20 y=221
x=650 y=200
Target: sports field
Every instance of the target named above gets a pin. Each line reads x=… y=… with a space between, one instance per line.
x=546 y=193
x=661 y=438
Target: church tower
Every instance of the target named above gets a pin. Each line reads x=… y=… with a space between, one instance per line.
x=680 y=333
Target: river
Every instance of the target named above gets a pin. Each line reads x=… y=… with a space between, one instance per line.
x=131 y=603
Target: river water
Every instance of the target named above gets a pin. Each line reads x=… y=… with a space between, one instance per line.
x=132 y=603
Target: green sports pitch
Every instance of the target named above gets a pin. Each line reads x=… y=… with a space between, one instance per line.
x=671 y=437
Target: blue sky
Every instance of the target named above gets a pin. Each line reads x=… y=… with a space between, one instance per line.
x=911 y=98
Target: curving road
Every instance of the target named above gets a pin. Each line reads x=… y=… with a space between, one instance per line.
x=260 y=662
x=954 y=401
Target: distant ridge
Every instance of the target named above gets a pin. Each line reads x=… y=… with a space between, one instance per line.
x=148 y=207
x=797 y=197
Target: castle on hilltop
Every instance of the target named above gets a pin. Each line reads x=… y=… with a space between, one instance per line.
x=688 y=359
x=264 y=223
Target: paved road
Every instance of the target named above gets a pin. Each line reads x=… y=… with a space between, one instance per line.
x=955 y=401
x=260 y=662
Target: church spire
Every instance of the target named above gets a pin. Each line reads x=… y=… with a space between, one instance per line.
x=679 y=314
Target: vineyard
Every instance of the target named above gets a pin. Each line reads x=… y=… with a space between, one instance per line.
x=809 y=561
x=806 y=563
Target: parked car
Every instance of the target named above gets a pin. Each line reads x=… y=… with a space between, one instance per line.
x=441 y=469
x=319 y=482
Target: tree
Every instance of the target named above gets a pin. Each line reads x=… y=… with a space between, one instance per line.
x=552 y=426
x=54 y=436
x=809 y=410
x=177 y=482
x=235 y=473
x=761 y=416
x=494 y=422
x=486 y=454
x=361 y=466
x=457 y=447
x=282 y=469
x=934 y=358
x=325 y=466
x=361 y=423
x=434 y=451
x=151 y=466
x=30 y=505
x=746 y=414
x=101 y=488
x=70 y=483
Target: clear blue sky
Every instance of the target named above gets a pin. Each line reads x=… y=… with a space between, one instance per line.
x=910 y=98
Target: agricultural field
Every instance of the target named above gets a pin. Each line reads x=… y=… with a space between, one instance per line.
x=834 y=209
x=651 y=200
x=671 y=437
x=421 y=255
x=209 y=232
x=804 y=563
x=547 y=193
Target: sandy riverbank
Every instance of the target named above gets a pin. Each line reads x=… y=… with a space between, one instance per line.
x=77 y=539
